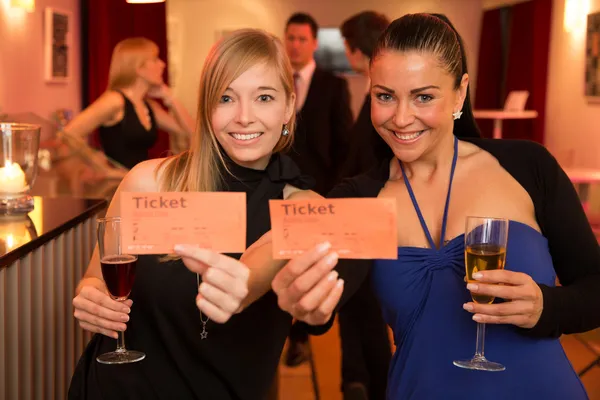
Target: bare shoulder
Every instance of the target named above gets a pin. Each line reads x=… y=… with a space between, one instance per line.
x=145 y=176
x=111 y=100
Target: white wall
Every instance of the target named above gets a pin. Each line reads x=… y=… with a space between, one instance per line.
x=572 y=122
x=193 y=26
x=22 y=85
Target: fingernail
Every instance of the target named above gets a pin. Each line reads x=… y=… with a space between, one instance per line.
x=115 y=336
x=323 y=247
x=332 y=276
x=472 y=286
x=126 y=310
x=179 y=247
x=125 y=318
x=331 y=259
x=340 y=283
x=468 y=307
x=477 y=318
x=200 y=303
x=477 y=275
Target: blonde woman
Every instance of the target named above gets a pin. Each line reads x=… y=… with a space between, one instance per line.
x=185 y=313
x=126 y=117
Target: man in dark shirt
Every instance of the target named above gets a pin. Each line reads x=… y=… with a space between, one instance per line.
x=324 y=120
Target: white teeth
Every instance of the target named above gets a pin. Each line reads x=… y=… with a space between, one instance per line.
x=408 y=137
x=240 y=136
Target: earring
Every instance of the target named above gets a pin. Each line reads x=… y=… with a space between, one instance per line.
x=285 y=131
x=457 y=114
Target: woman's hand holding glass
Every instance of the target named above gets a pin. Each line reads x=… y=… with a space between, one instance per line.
x=308 y=288
x=97 y=312
x=524 y=300
x=224 y=281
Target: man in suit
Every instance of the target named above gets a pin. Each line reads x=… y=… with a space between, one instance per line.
x=323 y=104
x=324 y=120
x=366 y=349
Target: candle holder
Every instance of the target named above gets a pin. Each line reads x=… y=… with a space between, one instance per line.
x=19 y=145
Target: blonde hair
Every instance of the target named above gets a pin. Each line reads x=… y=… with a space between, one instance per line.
x=128 y=55
x=199 y=169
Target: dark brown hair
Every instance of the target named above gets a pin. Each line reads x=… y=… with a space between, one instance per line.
x=362 y=30
x=432 y=33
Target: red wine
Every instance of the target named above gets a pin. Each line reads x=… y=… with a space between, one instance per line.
x=118 y=273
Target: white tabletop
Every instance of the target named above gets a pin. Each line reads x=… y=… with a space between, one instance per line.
x=504 y=114
x=583 y=175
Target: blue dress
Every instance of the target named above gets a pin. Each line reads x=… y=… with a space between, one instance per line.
x=422 y=293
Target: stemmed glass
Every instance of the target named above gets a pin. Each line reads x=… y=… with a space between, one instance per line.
x=485 y=249
x=118 y=271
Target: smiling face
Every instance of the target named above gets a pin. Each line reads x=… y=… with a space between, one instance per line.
x=249 y=117
x=413 y=99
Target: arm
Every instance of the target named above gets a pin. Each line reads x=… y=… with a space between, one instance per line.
x=93 y=307
x=100 y=112
x=177 y=121
x=574 y=306
x=259 y=256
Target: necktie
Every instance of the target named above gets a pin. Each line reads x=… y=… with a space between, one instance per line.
x=296 y=89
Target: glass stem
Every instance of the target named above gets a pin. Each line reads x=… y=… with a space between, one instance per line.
x=480 y=341
x=120 y=342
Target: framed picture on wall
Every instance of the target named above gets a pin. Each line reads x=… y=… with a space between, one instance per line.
x=592 y=57
x=57 y=45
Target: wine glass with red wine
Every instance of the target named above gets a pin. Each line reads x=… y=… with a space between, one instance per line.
x=118 y=271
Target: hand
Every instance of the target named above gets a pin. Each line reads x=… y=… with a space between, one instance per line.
x=98 y=312
x=224 y=281
x=307 y=288
x=525 y=299
x=161 y=92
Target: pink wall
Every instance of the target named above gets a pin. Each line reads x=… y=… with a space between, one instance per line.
x=22 y=84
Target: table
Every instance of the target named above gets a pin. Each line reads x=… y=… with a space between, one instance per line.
x=42 y=257
x=582 y=178
x=499 y=115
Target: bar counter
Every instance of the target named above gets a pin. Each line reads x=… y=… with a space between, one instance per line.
x=43 y=255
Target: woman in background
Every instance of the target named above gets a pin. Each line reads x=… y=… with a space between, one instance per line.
x=126 y=117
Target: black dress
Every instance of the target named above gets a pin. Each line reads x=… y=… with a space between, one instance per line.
x=128 y=142
x=237 y=360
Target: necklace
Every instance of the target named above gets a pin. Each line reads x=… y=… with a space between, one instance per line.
x=203 y=334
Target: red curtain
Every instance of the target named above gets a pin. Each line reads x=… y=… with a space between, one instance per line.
x=489 y=68
x=527 y=40
x=104 y=24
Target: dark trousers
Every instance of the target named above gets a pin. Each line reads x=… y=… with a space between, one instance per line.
x=366 y=349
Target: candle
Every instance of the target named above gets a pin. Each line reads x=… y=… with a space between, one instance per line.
x=12 y=178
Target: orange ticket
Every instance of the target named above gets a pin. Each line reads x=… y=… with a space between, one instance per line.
x=152 y=223
x=356 y=228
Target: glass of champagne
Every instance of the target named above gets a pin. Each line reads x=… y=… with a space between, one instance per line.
x=118 y=271
x=485 y=249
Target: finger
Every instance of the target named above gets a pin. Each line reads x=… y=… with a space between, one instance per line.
x=212 y=311
x=298 y=265
x=96 y=329
x=84 y=316
x=307 y=281
x=89 y=307
x=225 y=282
x=94 y=295
x=502 y=276
x=205 y=257
x=518 y=307
x=218 y=297
x=502 y=291
x=313 y=299
x=518 y=320
x=323 y=314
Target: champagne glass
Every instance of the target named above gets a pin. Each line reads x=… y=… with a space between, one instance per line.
x=118 y=271
x=485 y=249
